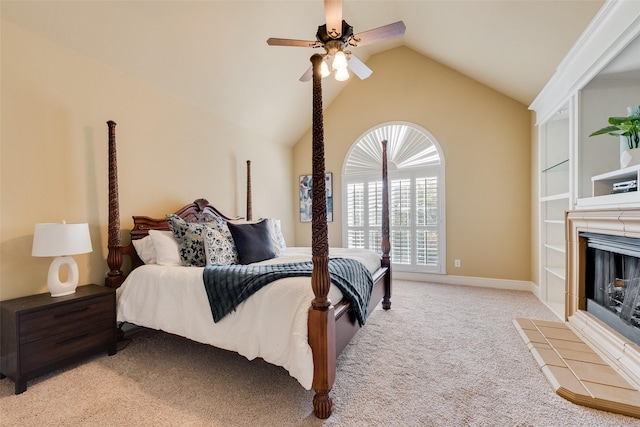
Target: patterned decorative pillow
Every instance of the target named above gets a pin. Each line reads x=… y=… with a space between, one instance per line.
x=189 y=236
x=218 y=249
x=223 y=228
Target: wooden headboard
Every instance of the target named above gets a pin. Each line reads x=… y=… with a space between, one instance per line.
x=198 y=211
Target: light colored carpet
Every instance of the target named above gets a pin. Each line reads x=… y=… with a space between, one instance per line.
x=442 y=356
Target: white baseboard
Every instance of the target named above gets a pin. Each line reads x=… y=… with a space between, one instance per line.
x=482 y=282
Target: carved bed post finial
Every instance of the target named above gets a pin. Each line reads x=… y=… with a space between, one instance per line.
x=322 y=323
x=386 y=243
x=249 y=207
x=114 y=257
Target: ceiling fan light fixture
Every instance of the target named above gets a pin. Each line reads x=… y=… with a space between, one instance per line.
x=342 y=74
x=324 y=68
x=335 y=36
x=340 y=61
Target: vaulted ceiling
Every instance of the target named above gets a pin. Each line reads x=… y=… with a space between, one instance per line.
x=214 y=53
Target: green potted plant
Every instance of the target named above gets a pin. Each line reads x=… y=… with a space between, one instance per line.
x=627 y=129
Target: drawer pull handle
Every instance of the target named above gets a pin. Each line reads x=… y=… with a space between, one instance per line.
x=76 y=338
x=70 y=312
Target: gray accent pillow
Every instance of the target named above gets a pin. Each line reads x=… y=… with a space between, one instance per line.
x=253 y=241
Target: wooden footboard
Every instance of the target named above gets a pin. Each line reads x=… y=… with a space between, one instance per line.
x=346 y=323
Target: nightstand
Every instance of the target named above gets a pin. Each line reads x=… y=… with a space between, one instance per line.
x=41 y=333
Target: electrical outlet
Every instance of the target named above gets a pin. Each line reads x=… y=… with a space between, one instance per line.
x=456 y=263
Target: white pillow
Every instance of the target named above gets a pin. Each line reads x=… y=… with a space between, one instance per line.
x=167 y=249
x=145 y=249
x=276 y=236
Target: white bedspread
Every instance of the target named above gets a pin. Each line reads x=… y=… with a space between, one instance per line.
x=271 y=324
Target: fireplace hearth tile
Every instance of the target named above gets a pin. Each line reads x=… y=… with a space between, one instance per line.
x=575 y=371
x=547 y=324
x=608 y=393
x=564 y=382
x=569 y=345
x=583 y=356
x=526 y=324
x=601 y=374
x=534 y=337
x=565 y=333
x=547 y=356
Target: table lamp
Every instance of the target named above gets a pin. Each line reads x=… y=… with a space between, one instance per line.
x=61 y=240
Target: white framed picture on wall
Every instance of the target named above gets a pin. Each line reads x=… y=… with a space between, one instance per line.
x=306 y=182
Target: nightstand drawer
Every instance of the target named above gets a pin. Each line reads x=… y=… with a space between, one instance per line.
x=41 y=333
x=63 y=318
x=57 y=347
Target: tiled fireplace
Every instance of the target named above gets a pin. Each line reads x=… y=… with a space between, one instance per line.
x=582 y=227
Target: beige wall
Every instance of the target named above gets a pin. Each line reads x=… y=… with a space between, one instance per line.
x=485 y=137
x=54 y=156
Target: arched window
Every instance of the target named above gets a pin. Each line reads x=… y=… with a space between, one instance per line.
x=416 y=196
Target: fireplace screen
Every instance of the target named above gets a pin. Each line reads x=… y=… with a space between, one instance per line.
x=612 y=282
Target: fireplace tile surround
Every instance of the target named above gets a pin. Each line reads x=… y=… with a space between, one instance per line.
x=583 y=359
x=616 y=349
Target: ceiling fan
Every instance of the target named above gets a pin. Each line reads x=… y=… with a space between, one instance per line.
x=335 y=37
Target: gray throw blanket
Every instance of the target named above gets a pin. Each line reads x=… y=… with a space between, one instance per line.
x=229 y=285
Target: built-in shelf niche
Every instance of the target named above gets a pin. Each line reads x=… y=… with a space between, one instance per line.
x=615 y=88
x=602 y=190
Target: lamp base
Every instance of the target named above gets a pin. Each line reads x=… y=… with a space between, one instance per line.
x=56 y=287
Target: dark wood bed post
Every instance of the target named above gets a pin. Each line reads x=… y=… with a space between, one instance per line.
x=249 y=207
x=115 y=277
x=386 y=243
x=322 y=325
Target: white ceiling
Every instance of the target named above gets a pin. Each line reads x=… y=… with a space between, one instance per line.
x=214 y=53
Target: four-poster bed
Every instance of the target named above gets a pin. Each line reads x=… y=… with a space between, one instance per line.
x=330 y=326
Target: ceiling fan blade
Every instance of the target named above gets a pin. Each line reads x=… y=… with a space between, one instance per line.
x=289 y=42
x=333 y=15
x=358 y=67
x=307 y=75
x=386 y=32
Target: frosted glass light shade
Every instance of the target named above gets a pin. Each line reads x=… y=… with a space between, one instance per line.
x=339 y=61
x=324 y=69
x=342 y=74
x=61 y=240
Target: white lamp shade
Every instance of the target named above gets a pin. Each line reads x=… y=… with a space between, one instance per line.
x=58 y=239
x=61 y=240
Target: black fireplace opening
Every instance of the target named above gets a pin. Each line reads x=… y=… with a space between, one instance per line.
x=612 y=282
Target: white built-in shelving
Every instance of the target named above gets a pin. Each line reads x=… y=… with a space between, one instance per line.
x=555 y=200
x=599 y=78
